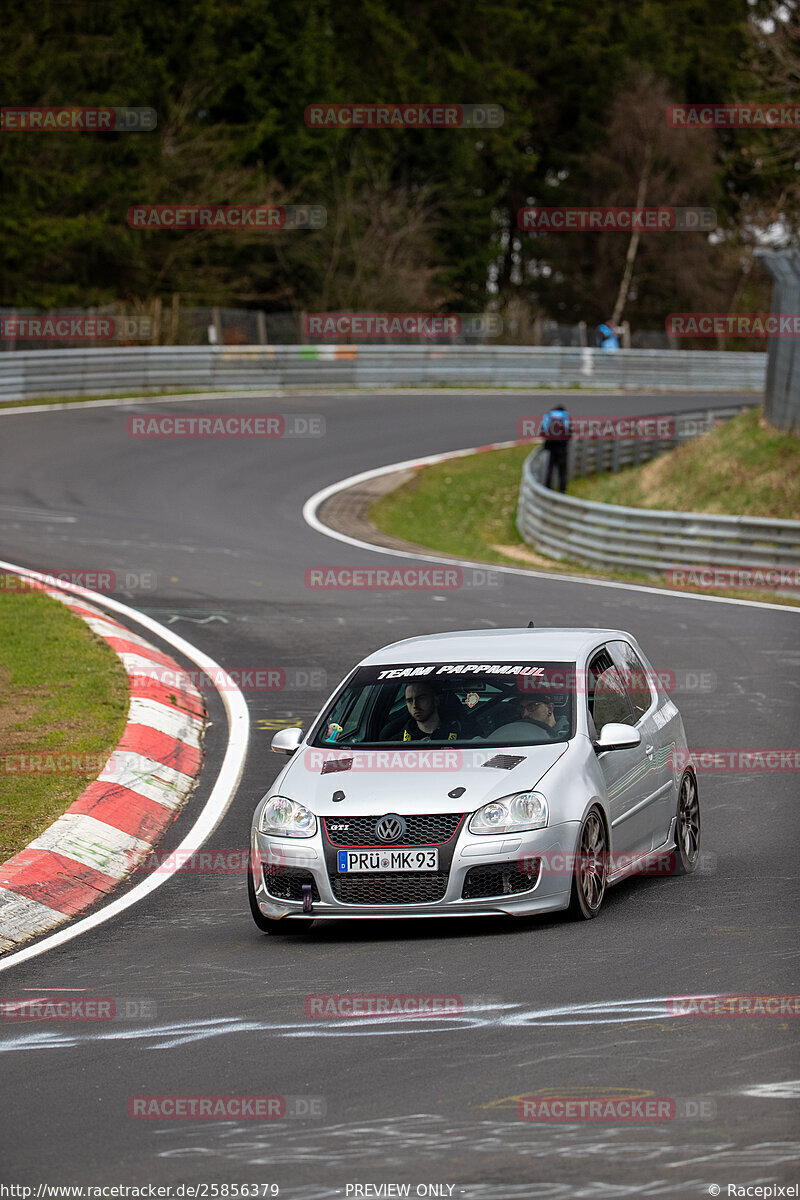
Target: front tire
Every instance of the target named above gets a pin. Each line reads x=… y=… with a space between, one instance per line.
x=591 y=865
x=269 y=924
x=687 y=826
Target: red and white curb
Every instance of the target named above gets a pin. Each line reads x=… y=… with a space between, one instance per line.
x=118 y=819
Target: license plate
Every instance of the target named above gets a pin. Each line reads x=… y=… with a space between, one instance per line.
x=367 y=861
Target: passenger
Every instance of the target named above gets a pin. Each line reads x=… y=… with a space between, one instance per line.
x=538 y=710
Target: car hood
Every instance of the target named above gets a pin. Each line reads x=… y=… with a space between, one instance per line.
x=409 y=781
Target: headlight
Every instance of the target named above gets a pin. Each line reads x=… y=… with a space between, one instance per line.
x=512 y=814
x=286 y=818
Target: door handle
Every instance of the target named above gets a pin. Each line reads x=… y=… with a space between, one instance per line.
x=649 y=751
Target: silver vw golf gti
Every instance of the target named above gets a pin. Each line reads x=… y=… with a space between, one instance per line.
x=501 y=772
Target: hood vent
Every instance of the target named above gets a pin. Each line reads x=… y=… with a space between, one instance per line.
x=336 y=764
x=505 y=762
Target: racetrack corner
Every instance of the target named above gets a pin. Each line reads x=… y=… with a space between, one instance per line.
x=115 y=823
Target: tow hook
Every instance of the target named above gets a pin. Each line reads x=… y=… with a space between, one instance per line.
x=308 y=903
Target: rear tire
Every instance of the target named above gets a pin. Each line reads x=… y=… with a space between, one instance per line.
x=687 y=826
x=268 y=924
x=591 y=866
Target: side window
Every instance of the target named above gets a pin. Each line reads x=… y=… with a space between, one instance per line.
x=607 y=695
x=635 y=676
x=348 y=712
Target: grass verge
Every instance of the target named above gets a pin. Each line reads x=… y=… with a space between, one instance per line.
x=743 y=467
x=63 y=691
x=467 y=507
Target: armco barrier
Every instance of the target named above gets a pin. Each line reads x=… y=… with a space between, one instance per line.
x=27 y=374
x=646 y=540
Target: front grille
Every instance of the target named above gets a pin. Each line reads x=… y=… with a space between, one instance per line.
x=496 y=879
x=397 y=887
x=286 y=883
x=422 y=830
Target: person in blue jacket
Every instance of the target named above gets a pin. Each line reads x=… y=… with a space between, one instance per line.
x=556 y=433
x=607 y=336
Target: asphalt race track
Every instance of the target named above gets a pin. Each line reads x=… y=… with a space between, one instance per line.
x=550 y=1007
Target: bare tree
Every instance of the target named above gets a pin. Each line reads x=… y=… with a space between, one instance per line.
x=646 y=162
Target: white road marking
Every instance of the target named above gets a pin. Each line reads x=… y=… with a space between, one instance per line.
x=18 y=912
x=197 y=620
x=222 y=793
x=146 y=777
x=139 y=664
x=271 y=393
x=174 y=722
x=36 y=514
x=110 y=629
x=312 y=505
x=92 y=843
x=487 y=1014
x=788 y=1090
x=135 y=401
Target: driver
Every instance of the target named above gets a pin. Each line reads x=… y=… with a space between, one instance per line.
x=424 y=721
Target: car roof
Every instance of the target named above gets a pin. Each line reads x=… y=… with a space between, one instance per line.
x=548 y=645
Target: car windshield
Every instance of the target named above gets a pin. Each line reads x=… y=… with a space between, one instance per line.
x=447 y=704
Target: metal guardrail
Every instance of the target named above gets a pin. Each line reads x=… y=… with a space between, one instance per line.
x=594 y=455
x=646 y=540
x=28 y=374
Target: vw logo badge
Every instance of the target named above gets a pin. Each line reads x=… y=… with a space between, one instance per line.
x=390 y=828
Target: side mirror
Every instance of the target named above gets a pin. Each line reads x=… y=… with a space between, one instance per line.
x=286 y=741
x=615 y=736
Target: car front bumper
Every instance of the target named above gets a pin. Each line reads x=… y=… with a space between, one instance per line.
x=553 y=847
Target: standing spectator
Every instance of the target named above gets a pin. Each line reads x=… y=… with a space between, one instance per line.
x=608 y=336
x=556 y=432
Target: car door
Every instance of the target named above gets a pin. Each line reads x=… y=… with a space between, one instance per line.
x=625 y=771
x=658 y=786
